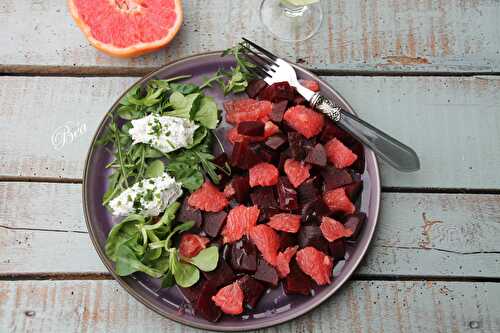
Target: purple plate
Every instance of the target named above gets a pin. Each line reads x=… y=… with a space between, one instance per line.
x=275 y=307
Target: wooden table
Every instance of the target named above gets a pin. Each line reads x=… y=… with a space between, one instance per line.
x=424 y=70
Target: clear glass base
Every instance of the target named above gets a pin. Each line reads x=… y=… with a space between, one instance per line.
x=291 y=23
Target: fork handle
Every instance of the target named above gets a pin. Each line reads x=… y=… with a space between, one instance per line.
x=394 y=152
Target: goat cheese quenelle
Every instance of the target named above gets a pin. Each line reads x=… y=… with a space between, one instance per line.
x=164 y=133
x=149 y=197
x=152 y=196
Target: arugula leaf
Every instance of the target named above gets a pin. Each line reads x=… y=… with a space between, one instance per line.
x=155 y=169
x=184 y=88
x=207 y=259
x=183 y=105
x=207 y=114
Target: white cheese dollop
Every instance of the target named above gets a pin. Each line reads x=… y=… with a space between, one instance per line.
x=164 y=133
x=148 y=197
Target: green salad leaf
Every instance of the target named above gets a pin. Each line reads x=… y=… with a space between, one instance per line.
x=154 y=169
x=207 y=114
x=207 y=259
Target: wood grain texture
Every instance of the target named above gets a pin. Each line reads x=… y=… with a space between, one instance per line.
x=357 y=35
x=451 y=122
x=360 y=306
x=418 y=234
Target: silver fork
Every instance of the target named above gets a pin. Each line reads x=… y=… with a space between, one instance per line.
x=273 y=69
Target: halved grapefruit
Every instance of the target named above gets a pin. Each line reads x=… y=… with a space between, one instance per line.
x=127 y=28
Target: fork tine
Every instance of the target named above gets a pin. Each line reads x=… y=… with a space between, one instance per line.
x=262 y=62
x=266 y=52
x=263 y=59
x=258 y=71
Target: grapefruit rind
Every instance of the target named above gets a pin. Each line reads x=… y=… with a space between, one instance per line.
x=133 y=50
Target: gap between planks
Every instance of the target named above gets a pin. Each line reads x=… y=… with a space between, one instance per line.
x=65 y=71
x=355 y=277
x=385 y=189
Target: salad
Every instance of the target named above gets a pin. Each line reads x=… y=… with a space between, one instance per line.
x=276 y=205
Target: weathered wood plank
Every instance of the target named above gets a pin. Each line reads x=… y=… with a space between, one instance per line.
x=418 y=234
x=380 y=36
x=361 y=306
x=451 y=122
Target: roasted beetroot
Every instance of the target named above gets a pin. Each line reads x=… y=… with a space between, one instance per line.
x=266 y=273
x=334 y=178
x=278 y=111
x=188 y=213
x=297 y=282
x=244 y=256
x=252 y=290
x=317 y=155
x=264 y=197
x=314 y=210
x=221 y=276
x=255 y=87
x=296 y=143
x=337 y=249
x=243 y=157
x=287 y=196
x=251 y=128
x=276 y=141
x=354 y=189
x=310 y=235
x=280 y=91
x=214 y=223
x=355 y=222
x=308 y=191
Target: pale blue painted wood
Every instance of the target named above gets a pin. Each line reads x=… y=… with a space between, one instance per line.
x=360 y=306
x=357 y=35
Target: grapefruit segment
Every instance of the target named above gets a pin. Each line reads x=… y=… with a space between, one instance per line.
x=127 y=28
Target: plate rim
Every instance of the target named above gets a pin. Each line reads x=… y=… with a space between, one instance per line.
x=286 y=316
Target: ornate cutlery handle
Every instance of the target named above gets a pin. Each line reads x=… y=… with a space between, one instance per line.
x=394 y=152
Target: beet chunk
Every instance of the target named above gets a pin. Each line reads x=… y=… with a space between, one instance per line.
x=310 y=235
x=243 y=157
x=287 y=196
x=214 y=222
x=337 y=249
x=331 y=131
x=296 y=142
x=276 y=141
x=255 y=87
x=287 y=239
x=299 y=100
x=266 y=273
x=264 y=197
x=278 y=111
x=221 y=276
x=251 y=128
x=335 y=178
x=355 y=223
x=252 y=289
x=192 y=293
x=277 y=92
x=204 y=306
x=188 y=213
x=244 y=256
x=308 y=191
x=241 y=188
x=314 y=210
x=297 y=282
x=353 y=190
x=317 y=155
